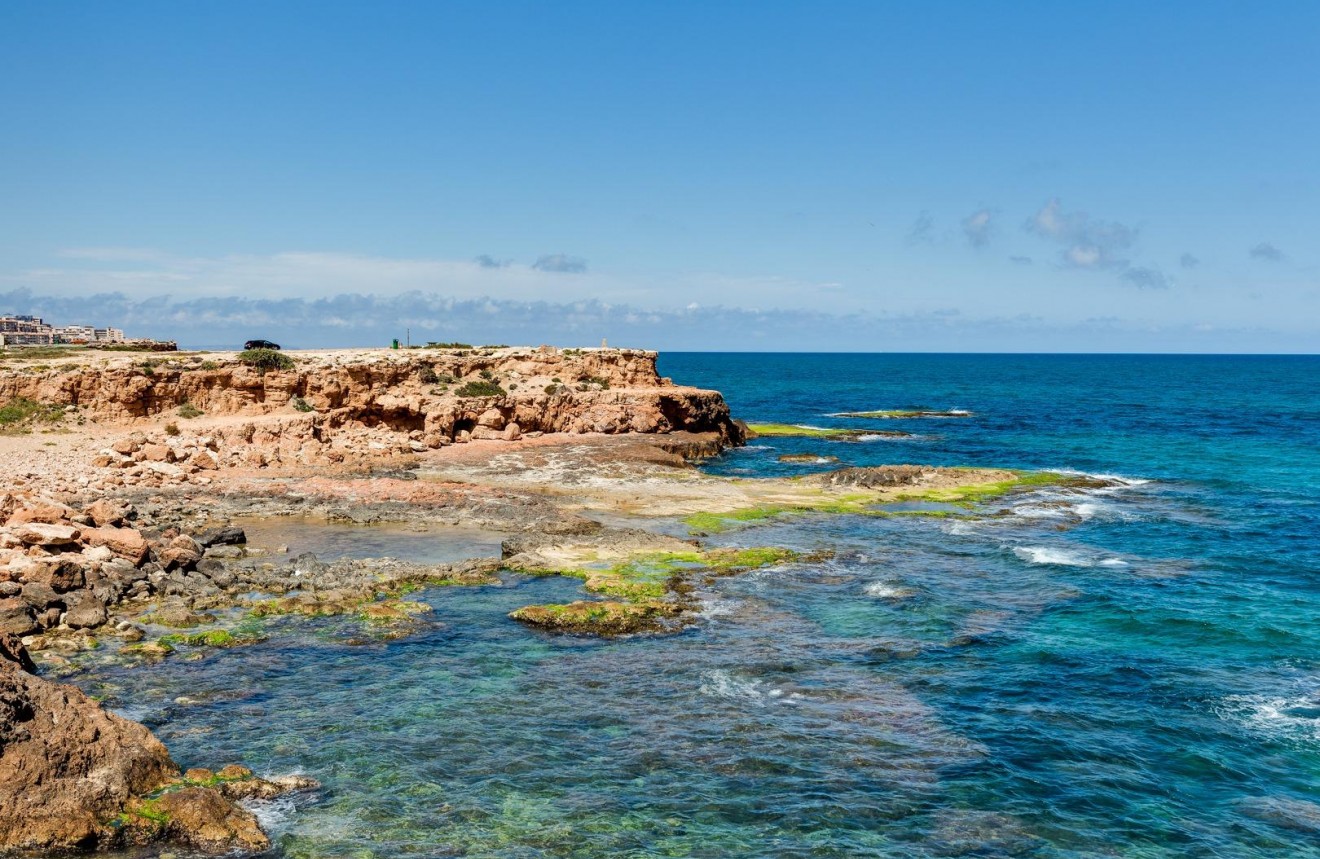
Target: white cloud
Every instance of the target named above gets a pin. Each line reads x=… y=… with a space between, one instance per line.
x=1086 y=243
x=978 y=227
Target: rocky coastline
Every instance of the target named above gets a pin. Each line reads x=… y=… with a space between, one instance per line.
x=118 y=533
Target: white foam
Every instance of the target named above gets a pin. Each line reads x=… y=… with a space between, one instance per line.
x=274 y=815
x=1117 y=478
x=1295 y=718
x=1033 y=511
x=721 y=684
x=888 y=591
x=1047 y=555
x=1113 y=562
x=870 y=436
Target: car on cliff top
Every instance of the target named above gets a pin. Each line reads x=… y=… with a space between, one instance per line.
x=260 y=344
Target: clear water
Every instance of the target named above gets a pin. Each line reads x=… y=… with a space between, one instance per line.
x=1126 y=673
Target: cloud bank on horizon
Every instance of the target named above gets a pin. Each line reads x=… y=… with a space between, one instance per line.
x=350 y=172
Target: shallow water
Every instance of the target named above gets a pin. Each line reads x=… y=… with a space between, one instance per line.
x=1129 y=672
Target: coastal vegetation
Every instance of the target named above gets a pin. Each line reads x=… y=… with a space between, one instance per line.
x=21 y=414
x=266 y=360
x=480 y=388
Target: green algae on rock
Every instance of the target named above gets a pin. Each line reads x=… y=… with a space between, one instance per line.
x=960 y=487
x=649 y=588
x=830 y=433
x=603 y=618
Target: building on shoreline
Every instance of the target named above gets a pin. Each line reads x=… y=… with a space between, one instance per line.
x=20 y=330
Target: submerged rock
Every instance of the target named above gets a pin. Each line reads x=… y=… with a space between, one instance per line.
x=589 y=617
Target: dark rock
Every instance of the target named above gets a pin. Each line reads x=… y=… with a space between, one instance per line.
x=229 y=535
x=39 y=596
x=85 y=612
x=12 y=649
x=878 y=476
x=61 y=574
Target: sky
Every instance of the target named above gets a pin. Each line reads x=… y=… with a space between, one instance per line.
x=714 y=176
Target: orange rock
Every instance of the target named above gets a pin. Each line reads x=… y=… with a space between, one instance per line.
x=124 y=542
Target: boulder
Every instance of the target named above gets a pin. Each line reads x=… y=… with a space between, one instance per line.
x=12 y=649
x=17 y=617
x=108 y=512
x=85 y=612
x=204 y=818
x=41 y=534
x=67 y=767
x=227 y=535
x=181 y=553
x=61 y=574
x=126 y=543
x=41 y=596
x=42 y=510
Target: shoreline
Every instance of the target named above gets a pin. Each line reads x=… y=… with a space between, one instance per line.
x=118 y=521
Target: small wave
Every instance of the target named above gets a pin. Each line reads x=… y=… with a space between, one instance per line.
x=1047 y=555
x=712 y=608
x=871 y=436
x=888 y=591
x=274 y=815
x=1296 y=718
x=722 y=684
x=1036 y=511
x=1117 y=478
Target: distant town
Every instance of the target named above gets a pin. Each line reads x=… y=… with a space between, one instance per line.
x=20 y=330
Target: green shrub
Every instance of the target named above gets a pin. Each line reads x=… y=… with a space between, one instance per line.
x=551 y=388
x=171 y=428
x=209 y=365
x=266 y=360
x=594 y=380
x=428 y=376
x=480 y=389
x=302 y=405
x=23 y=411
x=434 y=345
x=487 y=375
x=188 y=410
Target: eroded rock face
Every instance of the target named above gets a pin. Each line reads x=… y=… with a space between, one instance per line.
x=74 y=777
x=67 y=767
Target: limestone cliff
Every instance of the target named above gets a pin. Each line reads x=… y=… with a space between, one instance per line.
x=443 y=394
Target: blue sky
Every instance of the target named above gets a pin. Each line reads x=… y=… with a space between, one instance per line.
x=888 y=176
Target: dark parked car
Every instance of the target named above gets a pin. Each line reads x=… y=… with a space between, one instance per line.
x=260 y=344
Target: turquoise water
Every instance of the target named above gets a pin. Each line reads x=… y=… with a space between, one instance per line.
x=1129 y=672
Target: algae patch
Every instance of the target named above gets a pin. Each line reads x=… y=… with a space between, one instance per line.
x=648 y=590
x=829 y=433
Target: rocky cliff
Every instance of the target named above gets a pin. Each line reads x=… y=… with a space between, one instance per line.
x=441 y=394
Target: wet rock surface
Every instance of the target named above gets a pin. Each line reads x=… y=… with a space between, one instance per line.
x=75 y=777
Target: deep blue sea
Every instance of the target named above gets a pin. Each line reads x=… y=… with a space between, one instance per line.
x=1125 y=672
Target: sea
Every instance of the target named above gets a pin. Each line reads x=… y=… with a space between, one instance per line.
x=1127 y=670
